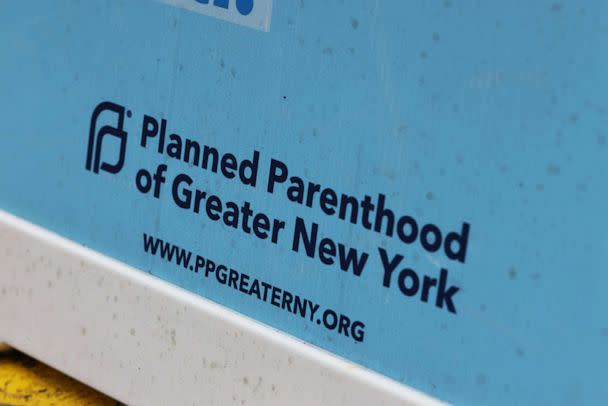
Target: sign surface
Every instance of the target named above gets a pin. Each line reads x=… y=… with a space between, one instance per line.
x=417 y=188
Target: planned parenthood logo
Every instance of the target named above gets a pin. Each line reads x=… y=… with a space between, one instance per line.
x=250 y=13
x=107 y=127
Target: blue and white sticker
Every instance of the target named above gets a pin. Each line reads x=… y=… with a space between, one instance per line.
x=254 y=14
x=417 y=188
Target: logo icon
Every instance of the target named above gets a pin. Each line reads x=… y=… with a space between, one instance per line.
x=254 y=14
x=243 y=6
x=96 y=138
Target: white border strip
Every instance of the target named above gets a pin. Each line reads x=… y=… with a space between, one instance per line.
x=144 y=341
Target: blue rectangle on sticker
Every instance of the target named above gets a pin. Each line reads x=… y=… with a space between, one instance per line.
x=418 y=188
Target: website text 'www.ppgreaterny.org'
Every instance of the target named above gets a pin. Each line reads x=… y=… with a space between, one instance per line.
x=257 y=289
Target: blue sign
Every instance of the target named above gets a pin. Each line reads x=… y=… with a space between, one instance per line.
x=415 y=187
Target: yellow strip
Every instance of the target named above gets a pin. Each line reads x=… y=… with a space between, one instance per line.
x=24 y=381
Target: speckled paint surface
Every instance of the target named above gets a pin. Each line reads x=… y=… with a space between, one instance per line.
x=489 y=113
